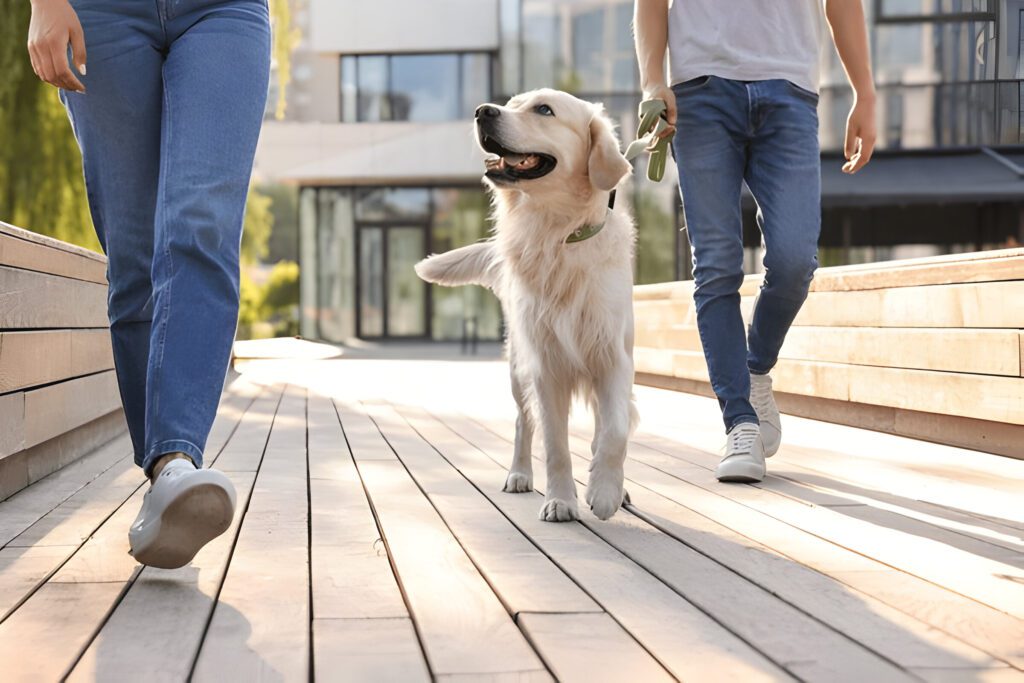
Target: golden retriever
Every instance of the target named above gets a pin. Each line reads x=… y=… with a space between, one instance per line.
x=568 y=304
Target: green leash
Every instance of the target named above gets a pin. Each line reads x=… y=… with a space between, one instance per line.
x=652 y=124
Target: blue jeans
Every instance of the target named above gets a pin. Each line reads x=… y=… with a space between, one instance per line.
x=764 y=134
x=175 y=96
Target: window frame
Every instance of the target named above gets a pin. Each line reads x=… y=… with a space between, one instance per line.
x=490 y=55
x=882 y=18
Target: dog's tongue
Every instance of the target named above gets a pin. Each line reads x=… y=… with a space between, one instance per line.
x=520 y=162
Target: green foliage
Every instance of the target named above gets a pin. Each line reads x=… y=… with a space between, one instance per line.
x=259 y=222
x=271 y=309
x=41 y=185
x=283 y=244
x=286 y=37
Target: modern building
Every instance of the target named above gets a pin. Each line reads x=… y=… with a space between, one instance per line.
x=379 y=137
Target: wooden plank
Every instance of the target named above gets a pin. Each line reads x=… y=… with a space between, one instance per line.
x=267 y=580
x=985 y=397
x=58 y=408
x=30 y=251
x=987 y=266
x=347 y=549
x=989 y=352
x=688 y=643
x=367 y=650
x=522 y=576
x=985 y=305
x=37 y=300
x=753 y=577
x=62 y=620
x=183 y=599
x=463 y=626
x=962 y=432
x=33 y=358
x=589 y=647
x=959 y=572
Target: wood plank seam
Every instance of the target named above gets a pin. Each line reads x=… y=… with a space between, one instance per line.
x=656 y=658
x=635 y=512
x=234 y=542
x=80 y=545
x=387 y=547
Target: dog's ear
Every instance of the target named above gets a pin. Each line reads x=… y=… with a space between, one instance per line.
x=606 y=164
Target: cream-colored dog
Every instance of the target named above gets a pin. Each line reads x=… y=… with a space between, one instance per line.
x=567 y=301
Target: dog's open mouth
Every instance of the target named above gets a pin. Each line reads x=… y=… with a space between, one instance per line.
x=509 y=166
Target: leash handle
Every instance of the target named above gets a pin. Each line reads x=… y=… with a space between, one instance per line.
x=652 y=125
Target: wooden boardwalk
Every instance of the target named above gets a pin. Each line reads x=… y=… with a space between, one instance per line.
x=373 y=543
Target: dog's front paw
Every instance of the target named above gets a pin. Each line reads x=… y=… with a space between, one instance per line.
x=518 y=482
x=558 y=510
x=605 y=496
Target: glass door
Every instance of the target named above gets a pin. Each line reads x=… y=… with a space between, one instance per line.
x=392 y=298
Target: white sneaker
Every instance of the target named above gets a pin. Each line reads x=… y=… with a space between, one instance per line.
x=744 y=455
x=763 y=400
x=183 y=510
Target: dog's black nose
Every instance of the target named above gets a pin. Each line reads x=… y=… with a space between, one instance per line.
x=488 y=111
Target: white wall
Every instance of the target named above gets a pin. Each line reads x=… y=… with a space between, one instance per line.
x=360 y=26
x=369 y=153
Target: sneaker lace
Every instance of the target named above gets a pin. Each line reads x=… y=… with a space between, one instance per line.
x=741 y=440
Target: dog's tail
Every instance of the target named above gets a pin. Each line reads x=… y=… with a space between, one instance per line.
x=475 y=264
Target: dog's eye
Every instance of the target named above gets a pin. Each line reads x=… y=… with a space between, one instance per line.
x=544 y=110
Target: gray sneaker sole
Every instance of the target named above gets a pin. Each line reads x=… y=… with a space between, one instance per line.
x=740 y=472
x=191 y=521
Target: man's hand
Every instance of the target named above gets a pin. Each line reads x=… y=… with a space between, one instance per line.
x=54 y=24
x=665 y=94
x=860 y=135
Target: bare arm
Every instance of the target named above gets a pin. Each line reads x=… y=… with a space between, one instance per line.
x=650 y=26
x=53 y=26
x=846 y=19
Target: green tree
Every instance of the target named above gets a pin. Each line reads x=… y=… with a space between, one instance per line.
x=41 y=185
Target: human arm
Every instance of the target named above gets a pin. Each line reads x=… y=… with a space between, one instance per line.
x=650 y=28
x=849 y=32
x=54 y=24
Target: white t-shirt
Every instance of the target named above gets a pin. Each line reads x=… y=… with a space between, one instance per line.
x=746 y=40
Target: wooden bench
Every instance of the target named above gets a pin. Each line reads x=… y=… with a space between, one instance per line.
x=928 y=348
x=58 y=392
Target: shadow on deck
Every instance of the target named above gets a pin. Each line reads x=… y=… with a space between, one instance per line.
x=372 y=542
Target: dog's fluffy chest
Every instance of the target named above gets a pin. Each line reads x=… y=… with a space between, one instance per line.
x=571 y=303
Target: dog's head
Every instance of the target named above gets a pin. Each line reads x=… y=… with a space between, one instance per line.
x=547 y=139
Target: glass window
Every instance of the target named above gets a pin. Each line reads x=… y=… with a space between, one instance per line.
x=349 y=90
x=372 y=82
x=307 y=257
x=432 y=87
x=932 y=9
x=335 y=265
x=425 y=88
x=388 y=203
x=461 y=218
x=476 y=83
x=511 y=50
x=600 y=49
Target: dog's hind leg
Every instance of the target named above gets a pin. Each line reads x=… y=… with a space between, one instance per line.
x=553 y=401
x=613 y=417
x=520 y=477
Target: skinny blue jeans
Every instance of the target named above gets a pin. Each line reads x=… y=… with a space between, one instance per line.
x=764 y=134
x=175 y=94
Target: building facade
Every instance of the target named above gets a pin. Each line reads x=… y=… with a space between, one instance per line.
x=379 y=138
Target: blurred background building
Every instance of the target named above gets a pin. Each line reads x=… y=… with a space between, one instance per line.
x=378 y=137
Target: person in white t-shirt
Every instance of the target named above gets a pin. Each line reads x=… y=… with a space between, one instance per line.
x=742 y=100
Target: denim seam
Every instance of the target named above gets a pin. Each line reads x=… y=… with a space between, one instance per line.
x=169 y=265
x=172 y=446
